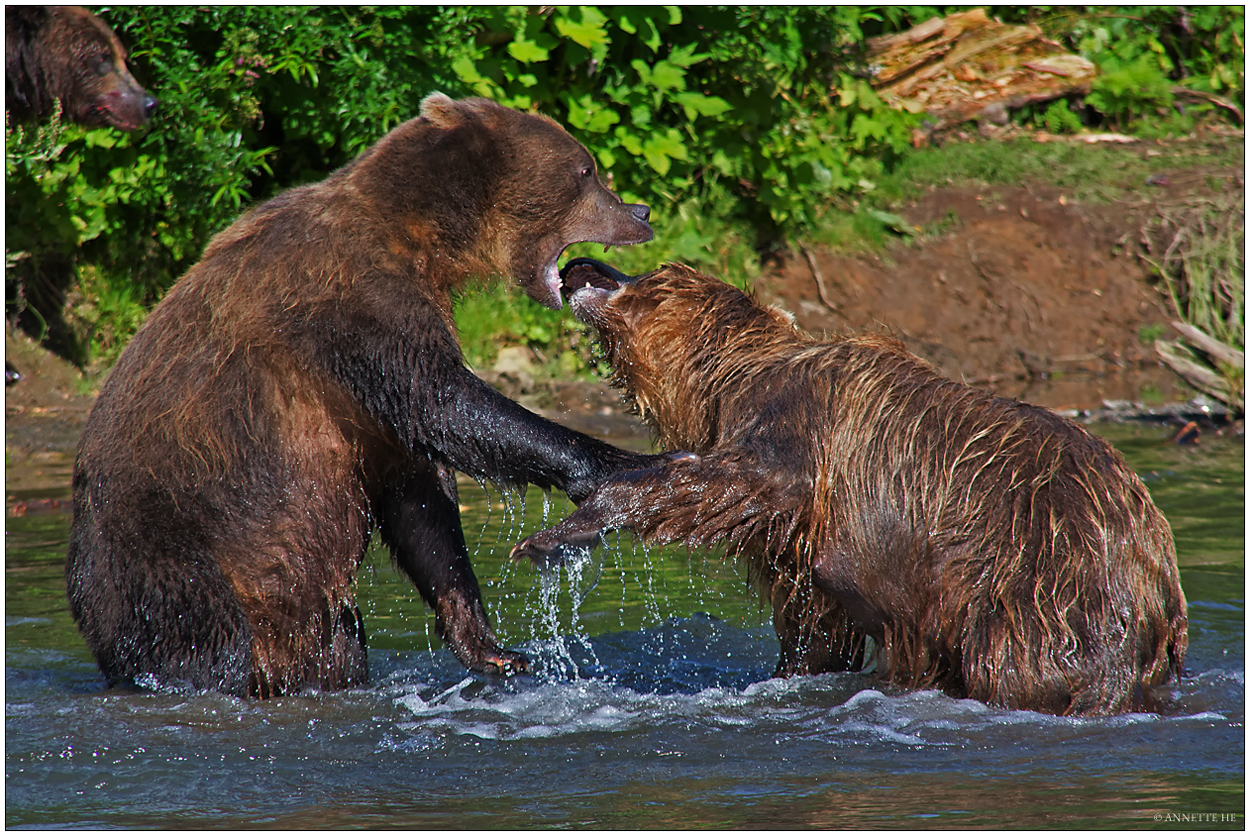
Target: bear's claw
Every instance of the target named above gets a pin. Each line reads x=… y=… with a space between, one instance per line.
x=506 y=663
x=529 y=548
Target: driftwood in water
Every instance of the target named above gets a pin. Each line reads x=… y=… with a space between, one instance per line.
x=967 y=66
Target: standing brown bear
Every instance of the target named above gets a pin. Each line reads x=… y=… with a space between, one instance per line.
x=66 y=53
x=303 y=386
x=988 y=547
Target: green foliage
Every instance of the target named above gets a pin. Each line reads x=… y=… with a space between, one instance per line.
x=1199 y=46
x=108 y=313
x=1144 y=53
x=1058 y=118
x=1131 y=90
x=671 y=100
x=74 y=190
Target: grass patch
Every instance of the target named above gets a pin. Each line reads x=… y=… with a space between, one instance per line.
x=1089 y=173
x=1097 y=173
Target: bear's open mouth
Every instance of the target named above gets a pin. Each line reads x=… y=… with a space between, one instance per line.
x=587 y=272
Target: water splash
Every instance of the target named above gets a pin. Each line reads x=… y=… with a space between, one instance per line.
x=583 y=570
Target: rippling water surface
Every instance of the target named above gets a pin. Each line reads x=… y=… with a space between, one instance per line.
x=650 y=706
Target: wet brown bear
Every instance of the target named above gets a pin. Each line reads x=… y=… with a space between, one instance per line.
x=988 y=547
x=66 y=53
x=303 y=386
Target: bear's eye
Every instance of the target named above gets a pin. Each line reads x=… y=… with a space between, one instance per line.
x=586 y=172
x=103 y=64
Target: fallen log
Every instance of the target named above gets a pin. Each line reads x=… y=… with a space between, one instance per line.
x=968 y=67
x=1195 y=370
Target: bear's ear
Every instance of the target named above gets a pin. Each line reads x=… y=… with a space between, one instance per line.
x=446 y=112
x=440 y=109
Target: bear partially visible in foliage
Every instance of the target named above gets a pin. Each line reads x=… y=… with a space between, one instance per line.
x=988 y=547
x=66 y=53
x=303 y=387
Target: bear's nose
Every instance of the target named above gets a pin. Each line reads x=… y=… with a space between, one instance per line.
x=640 y=211
x=149 y=105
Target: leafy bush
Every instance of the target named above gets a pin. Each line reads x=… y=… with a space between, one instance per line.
x=1145 y=53
x=1131 y=90
x=671 y=100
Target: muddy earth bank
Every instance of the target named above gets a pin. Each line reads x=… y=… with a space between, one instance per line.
x=1027 y=295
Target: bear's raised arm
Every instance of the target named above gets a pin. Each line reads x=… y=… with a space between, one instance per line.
x=486 y=435
x=410 y=377
x=728 y=496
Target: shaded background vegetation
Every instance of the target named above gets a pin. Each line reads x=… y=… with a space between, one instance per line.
x=741 y=127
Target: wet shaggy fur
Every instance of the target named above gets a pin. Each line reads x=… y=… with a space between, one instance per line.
x=67 y=54
x=988 y=547
x=302 y=387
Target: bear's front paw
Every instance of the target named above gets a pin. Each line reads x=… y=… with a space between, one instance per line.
x=543 y=550
x=537 y=548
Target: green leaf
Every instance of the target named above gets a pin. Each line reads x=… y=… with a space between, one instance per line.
x=659 y=150
x=627 y=25
x=527 y=52
x=585 y=114
x=588 y=114
x=701 y=104
x=684 y=56
x=587 y=32
x=652 y=37
x=629 y=141
x=603 y=120
x=666 y=76
x=644 y=71
x=466 y=70
x=865 y=127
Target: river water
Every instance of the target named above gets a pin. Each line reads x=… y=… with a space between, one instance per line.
x=650 y=706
